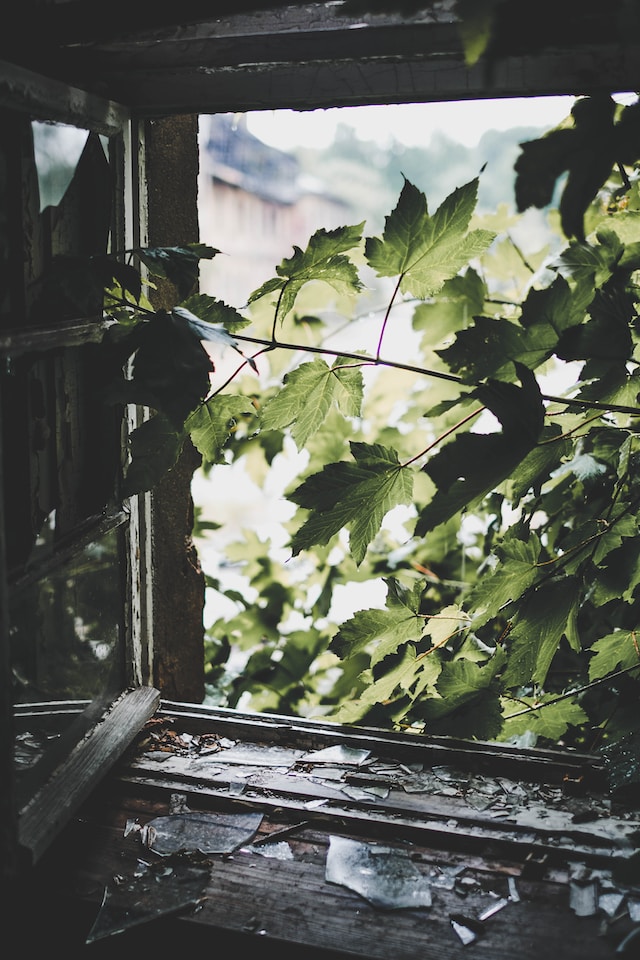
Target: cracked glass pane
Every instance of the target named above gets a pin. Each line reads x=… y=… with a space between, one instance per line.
x=385 y=877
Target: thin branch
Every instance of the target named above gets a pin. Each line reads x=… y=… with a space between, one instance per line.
x=574 y=693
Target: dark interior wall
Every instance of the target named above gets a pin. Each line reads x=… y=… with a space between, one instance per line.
x=178 y=581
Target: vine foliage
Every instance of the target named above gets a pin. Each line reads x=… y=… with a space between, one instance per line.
x=512 y=591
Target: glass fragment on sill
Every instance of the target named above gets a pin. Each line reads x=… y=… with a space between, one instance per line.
x=494 y=908
x=366 y=793
x=157 y=890
x=583 y=897
x=259 y=755
x=463 y=928
x=178 y=803
x=277 y=851
x=387 y=878
x=610 y=902
x=444 y=876
x=514 y=895
x=633 y=906
x=204 y=832
x=337 y=754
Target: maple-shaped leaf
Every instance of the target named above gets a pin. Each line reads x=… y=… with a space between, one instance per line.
x=550 y=720
x=537 y=629
x=212 y=423
x=214 y=311
x=382 y=631
x=468 y=703
x=473 y=464
x=538 y=465
x=426 y=251
x=154 y=447
x=307 y=395
x=593 y=263
x=381 y=692
x=323 y=259
x=619 y=575
x=179 y=265
x=356 y=495
x=170 y=370
x=489 y=348
x=606 y=335
x=617 y=651
x=516 y=572
x=586 y=152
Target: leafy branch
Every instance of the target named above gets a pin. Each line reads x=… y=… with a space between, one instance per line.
x=546 y=598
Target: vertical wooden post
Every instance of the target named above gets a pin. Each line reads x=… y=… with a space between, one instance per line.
x=178 y=581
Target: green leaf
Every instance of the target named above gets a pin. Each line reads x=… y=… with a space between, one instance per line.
x=212 y=423
x=379 y=691
x=468 y=702
x=551 y=720
x=512 y=578
x=475 y=27
x=307 y=395
x=154 y=447
x=538 y=628
x=426 y=251
x=619 y=574
x=171 y=370
x=586 y=153
x=382 y=631
x=617 y=651
x=179 y=265
x=323 y=260
x=538 y=465
x=357 y=496
x=472 y=465
x=215 y=311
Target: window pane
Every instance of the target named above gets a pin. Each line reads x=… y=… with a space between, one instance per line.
x=67 y=643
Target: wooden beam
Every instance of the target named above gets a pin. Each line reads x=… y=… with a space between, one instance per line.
x=44 y=98
x=54 y=805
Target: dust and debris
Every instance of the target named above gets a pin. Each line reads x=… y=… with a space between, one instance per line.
x=155 y=890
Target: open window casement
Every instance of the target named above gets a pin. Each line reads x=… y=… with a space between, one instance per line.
x=76 y=620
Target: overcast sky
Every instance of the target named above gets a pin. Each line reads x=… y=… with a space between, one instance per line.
x=412 y=124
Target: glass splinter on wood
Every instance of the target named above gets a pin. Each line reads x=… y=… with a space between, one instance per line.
x=203 y=832
x=385 y=877
x=157 y=890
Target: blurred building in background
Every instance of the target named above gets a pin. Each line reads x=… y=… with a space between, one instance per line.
x=255 y=205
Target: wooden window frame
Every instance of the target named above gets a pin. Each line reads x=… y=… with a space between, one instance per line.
x=107 y=733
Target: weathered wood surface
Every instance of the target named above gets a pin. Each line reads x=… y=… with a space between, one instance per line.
x=55 y=804
x=272 y=903
x=254 y=56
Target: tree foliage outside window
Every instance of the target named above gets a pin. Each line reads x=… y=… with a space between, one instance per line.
x=511 y=569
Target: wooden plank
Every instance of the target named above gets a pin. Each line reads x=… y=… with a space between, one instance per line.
x=428 y=818
x=271 y=902
x=398 y=79
x=72 y=782
x=537 y=763
x=44 y=98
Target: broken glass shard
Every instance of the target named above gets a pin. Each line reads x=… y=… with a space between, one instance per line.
x=338 y=754
x=157 y=890
x=465 y=933
x=583 y=897
x=277 y=851
x=493 y=909
x=256 y=755
x=385 y=877
x=610 y=901
x=204 y=832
